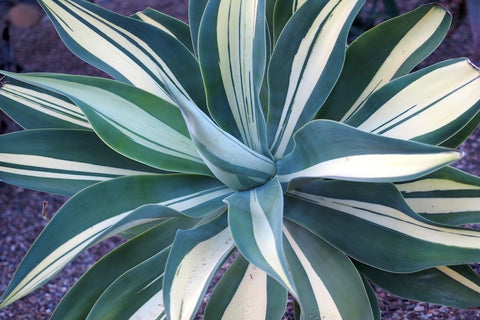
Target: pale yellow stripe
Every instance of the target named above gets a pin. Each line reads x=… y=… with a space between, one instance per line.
x=448 y=93
x=444 y=205
x=434 y=185
x=326 y=305
x=192 y=200
x=52 y=175
x=394 y=219
x=265 y=239
x=245 y=305
x=57 y=164
x=413 y=39
x=154 y=23
x=33 y=99
x=374 y=166
x=56 y=260
x=301 y=85
x=151 y=309
x=459 y=278
x=193 y=273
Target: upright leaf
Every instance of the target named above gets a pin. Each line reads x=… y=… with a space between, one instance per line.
x=246 y=292
x=304 y=67
x=282 y=13
x=156 y=136
x=127 y=49
x=61 y=161
x=33 y=107
x=350 y=154
x=387 y=51
x=232 y=48
x=194 y=258
x=255 y=219
x=428 y=106
x=329 y=286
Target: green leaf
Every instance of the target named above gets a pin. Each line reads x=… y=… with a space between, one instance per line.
x=329 y=286
x=447 y=196
x=232 y=48
x=105 y=209
x=136 y=294
x=246 y=292
x=282 y=13
x=255 y=219
x=61 y=161
x=372 y=298
x=305 y=65
x=196 y=8
x=128 y=49
x=232 y=162
x=156 y=136
x=428 y=106
x=347 y=153
x=33 y=107
x=174 y=27
x=387 y=51
x=79 y=300
x=457 y=139
x=455 y=286
x=194 y=258
x=347 y=214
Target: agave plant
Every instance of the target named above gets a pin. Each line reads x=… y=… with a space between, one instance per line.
x=254 y=134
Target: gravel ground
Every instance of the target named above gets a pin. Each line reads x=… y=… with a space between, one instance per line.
x=39 y=49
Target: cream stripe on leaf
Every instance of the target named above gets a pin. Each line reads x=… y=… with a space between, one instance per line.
x=34 y=107
x=454 y=286
x=128 y=49
x=302 y=72
x=231 y=161
x=105 y=209
x=255 y=219
x=327 y=149
x=174 y=27
x=428 y=106
x=233 y=297
x=447 y=196
x=329 y=286
x=156 y=136
x=387 y=51
x=82 y=296
x=135 y=295
x=346 y=214
x=194 y=258
x=61 y=161
x=232 y=46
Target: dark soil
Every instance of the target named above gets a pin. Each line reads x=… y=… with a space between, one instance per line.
x=38 y=49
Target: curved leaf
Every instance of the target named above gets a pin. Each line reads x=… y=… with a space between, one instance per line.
x=105 y=209
x=282 y=13
x=156 y=136
x=79 y=300
x=447 y=196
x=455 y=286
x=387 y=51
x=255 y=219
x=136 y=294
x=347 y=214
x=61 y=161
x=428 y=106
x=232 y=48
x=246 y=292
x=196 y=8
x=305 y=65
x=128 y=49
x=194 y=258
x=329 y=286
x=328 y=149
x=33 y=107
x=232 y=162
x=174 y=27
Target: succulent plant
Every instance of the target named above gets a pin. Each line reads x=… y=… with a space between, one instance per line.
x=253 y=133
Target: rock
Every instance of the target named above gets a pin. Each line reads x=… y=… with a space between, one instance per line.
x=24 y=15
